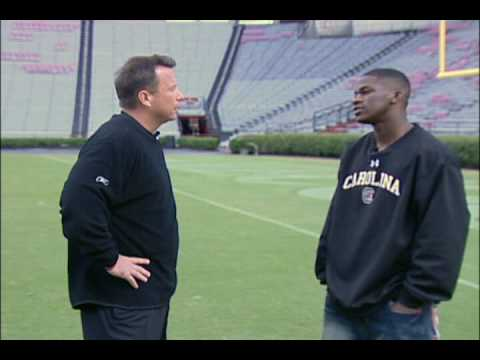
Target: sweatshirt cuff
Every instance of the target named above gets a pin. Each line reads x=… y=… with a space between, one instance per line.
x=109 y=258
x=407 y=299
x=321 y=276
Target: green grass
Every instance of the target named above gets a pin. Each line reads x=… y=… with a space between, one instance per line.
x=249 y=231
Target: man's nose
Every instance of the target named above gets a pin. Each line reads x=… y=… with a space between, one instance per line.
x=357 y=99
x=180 y=95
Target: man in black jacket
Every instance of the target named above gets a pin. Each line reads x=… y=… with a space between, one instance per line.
x=119 y=213
x=394 y=238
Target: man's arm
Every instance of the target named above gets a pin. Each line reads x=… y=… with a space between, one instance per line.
x=321 y=260
x=439 y=242
x=92 y=186
x=95 y=184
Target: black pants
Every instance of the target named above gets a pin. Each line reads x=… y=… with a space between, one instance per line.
x=113 y=323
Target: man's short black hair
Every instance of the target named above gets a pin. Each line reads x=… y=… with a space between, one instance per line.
x=392 y=74
x=138 y=74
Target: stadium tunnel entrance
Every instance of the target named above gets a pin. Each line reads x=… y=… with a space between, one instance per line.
x=192 y=116
x=193 y=125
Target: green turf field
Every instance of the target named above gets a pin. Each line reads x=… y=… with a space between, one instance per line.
x=249 y=231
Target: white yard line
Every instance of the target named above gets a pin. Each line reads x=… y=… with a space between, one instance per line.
x=468 y=283
x=69 y=162
x=247 y=213
x=251 y=215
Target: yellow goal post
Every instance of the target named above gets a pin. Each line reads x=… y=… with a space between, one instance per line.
x=443 y=72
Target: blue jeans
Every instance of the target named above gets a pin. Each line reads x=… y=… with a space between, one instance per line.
x=380 y=324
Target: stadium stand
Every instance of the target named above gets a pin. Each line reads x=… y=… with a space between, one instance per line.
x=275 y=68
x=248 y=78
x=441 y=106
x=39 y=71
x=40 y=61
x=197 y=47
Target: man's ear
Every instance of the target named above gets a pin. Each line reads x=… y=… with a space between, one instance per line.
x=397 y=96
x=144 y=98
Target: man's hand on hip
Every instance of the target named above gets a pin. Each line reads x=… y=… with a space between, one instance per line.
x=129 y=269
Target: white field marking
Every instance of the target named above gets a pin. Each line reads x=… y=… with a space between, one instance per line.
x=227 y=170
x=57 y=159
x=283 y=179
x=318 y=193
x=272 y=221
x=251 y=215
x=468 y=283
x=247 y=213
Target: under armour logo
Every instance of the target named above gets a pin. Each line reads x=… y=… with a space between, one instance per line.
x=101 y=179
x=374 y=163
